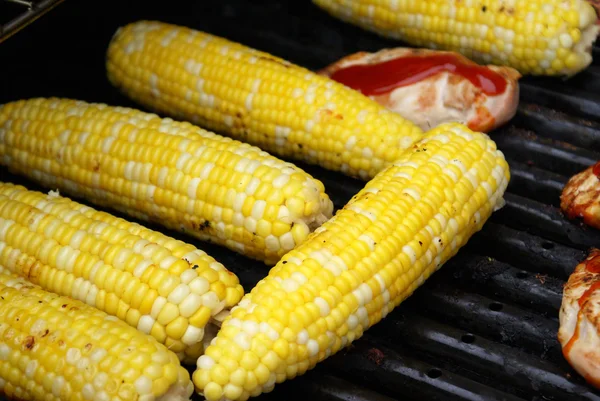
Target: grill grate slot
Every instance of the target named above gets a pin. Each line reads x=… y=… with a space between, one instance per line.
x=397 y=375
x=481 y=356
x=559 y=126
x=596 y=55
x=526 y=251
x=543 y=220
x=578 y=102
x=324 y=387
x=502 y=322
x=526 y=147
x=587 y=80
x=484 y=275
x=536 y=183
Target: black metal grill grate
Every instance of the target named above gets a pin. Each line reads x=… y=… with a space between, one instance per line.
x=16 y=14
x=482 y=328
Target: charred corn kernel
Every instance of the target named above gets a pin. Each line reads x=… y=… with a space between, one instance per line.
x=549 y=37
x=52 y=348
x=359 y=283
x=257 y=98
x=128 y=282
x=159 y=170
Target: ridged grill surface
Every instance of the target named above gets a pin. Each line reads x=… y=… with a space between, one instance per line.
x=482 y=328
x=16 y=14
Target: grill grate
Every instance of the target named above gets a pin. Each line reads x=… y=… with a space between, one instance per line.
x=482 y=328
x=16 y=14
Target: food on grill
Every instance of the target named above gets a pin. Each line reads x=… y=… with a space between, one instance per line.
x=596 y=5
x=168 y=172
x=431 y=87
x=581 y=196
x=579 y=332
x=159 y=285
x=56 y=348
x=256 y=98
x=549 y=37
x=399 y=229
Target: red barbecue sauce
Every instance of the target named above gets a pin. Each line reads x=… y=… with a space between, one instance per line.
x=381 y=78
x=567 y=348
x=596 y=170
x=593 y=266
x=588 y=292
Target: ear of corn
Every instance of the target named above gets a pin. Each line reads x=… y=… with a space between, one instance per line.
x=55 y=348
x=161 y=286
x=550 y=37
x=352 y=271
x=256 y=98
x=168 y=172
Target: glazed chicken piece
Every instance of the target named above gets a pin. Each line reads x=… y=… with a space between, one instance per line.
x=579 y=330
x=432 y=87
x=581 y=196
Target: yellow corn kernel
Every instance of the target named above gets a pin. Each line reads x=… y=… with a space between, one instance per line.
x=201 y=317
x=158 y=331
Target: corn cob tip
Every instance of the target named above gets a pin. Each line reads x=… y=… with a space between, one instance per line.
x=54 y=347
x=403 y=226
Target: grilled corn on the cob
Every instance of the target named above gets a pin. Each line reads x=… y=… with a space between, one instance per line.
x=159 y=285
x=550 y=37
x=256 y=98
x=352 y=271
x=172 y=173
x=55 y=348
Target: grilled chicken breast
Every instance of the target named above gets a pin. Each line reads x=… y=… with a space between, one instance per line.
x=579 y=330
x=444 y=96
x=581 y=196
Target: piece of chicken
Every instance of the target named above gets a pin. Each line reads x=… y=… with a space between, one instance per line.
x=579 y=330
x=431 y=96
x=580 y=198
